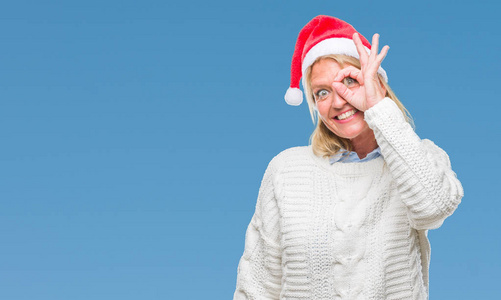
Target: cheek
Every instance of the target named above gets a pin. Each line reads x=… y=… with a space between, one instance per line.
x=323 y=109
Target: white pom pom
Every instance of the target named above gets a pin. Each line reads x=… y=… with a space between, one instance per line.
x=293 y=96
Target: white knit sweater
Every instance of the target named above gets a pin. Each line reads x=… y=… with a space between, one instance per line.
x=349 y=230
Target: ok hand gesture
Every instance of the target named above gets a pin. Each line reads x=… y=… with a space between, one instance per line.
x=370 y=91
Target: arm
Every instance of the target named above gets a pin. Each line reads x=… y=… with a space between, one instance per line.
x=422 y=171
x=259 y=270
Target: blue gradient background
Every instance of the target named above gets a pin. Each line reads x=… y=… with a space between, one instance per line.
x=134 y=136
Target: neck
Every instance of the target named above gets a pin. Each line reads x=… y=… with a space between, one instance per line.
x=364 y=144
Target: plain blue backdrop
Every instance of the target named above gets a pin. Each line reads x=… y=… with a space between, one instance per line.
x=134 y=136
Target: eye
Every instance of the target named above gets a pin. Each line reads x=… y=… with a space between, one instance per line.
x=321 y=95
x=350 y=82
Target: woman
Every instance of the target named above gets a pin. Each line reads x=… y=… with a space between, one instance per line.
x=347 y=217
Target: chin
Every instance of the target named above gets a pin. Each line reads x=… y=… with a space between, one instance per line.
x=351 y=132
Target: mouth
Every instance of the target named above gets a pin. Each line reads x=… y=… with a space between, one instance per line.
x=346 y=115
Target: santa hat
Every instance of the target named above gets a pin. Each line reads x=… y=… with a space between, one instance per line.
x=323 y=35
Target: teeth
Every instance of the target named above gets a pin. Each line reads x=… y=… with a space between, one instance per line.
x=346 y=114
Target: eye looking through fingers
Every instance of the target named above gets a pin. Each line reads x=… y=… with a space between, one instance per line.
x=350 y=82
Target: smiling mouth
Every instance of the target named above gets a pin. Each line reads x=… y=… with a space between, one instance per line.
x=346 y=115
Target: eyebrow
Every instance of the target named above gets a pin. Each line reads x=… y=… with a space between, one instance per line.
x=319 y=84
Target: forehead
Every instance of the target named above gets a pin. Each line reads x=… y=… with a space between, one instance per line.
x=324 y=70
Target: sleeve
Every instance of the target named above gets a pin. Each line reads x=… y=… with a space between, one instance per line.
x=259 y=270
x=422 y=171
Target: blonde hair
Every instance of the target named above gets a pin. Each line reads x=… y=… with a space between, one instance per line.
x=323 y=141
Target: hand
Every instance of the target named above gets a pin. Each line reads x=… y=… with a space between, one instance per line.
x=371 y=91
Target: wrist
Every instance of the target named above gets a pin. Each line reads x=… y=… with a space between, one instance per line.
x=374 y=102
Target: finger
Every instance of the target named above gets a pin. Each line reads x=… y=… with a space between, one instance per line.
x=343 y=91
x=375 y=45
x=362 y=53
x=349 y=72
x=382 y=54
x=346 y=72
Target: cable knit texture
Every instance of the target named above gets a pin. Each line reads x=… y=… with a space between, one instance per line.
x=349 y=230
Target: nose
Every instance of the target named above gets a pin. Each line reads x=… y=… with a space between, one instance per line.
x=337 y=102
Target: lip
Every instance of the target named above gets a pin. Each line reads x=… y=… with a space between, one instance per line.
x=347 y=119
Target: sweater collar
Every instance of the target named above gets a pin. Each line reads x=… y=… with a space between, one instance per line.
x=346 y=156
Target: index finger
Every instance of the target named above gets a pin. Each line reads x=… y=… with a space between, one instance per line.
x=360 y=48
x=349 y=72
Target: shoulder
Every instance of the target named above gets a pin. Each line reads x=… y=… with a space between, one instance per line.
x=301 y=155
x=292 y=154
x=428 y=144
x=434 y=151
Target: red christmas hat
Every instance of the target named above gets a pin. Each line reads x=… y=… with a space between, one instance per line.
x=323 y=35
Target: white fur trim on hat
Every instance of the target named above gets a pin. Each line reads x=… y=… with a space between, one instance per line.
x=334 y=46
x=293 y=96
